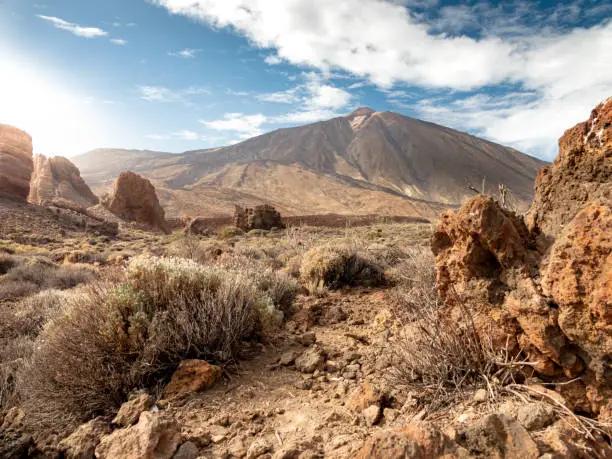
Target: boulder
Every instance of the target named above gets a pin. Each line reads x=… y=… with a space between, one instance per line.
x=154 y=437
x=499 y=436
x=58 y=179
x=81 y=444
x=15 y=163
x=134 y=200
x=417 y=441
x=543 y=285
x=310 y=360
x=192 y=376
x=130 y=411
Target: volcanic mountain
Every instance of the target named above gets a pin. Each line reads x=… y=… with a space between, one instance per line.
x=364 y=163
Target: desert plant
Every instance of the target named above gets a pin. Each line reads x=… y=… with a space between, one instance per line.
x=337 y=266
x=228 y=232
x=165 y=310
x=7 y=262
x=437 y=357
x=19 y=327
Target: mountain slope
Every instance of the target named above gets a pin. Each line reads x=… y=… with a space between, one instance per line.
x=366 y=162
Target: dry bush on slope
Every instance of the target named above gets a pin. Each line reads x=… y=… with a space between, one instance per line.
x=334 y=267
x=165 y=311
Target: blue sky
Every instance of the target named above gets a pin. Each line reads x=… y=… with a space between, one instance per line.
x=176 y=75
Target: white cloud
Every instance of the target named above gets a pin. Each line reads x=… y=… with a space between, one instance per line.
x=186 y=135
x=281 y=97
x=245 y=125
x=187 y=53
x=522 y=120
x=118 y=41
x=87 y=32
x=163 y=94
x=273 y=60
x=401 y=42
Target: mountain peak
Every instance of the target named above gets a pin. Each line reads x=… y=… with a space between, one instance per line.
x=362 y=111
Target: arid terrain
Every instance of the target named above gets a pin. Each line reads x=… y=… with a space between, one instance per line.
x=479 y=332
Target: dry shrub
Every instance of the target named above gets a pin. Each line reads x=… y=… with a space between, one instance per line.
x=116 y=338
x=333 y=267
x=31 y=275
x=438 y=357
x=229 y=232
x=7 y=262
x=19 y=327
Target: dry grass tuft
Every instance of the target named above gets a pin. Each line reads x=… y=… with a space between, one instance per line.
x=334 y=267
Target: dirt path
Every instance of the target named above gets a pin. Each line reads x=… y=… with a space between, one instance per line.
x=276 y=408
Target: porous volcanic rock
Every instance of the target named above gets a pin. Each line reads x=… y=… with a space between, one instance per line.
x=58 y=179
x=154 y=437
x=15 y=163
x=543 y=286
x=192 y=375
x=418 y=441
x=579 y=175
x=134 y=199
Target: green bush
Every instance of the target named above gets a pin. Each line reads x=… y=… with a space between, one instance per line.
x=118 y=337
x=336 y=266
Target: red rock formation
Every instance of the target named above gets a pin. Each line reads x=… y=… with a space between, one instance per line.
x=58 y=179
x=15 y=163
x=134 y=200
x=544 y=286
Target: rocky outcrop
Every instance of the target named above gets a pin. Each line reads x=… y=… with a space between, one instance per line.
x=543 y=286
x=57 y=179
x=134 y=199
x=579 y=175
x=15 y=163
x=259 y=217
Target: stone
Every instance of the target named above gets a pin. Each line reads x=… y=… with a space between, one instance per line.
x=562 y=440
x=263 y=217
x=307 y=339
x=187 y=450
x=16 y=163
x=542 y=286
x=363 y=397
x=535 y=416
x=372 y=414
x=192 y=376
x=153 y=437
x=390 y=414
x=310 y=360
x=58 y=179
x=130 y=411
x=81 y=444
x=237 y=447
x=498 y=436
x=415 y=441
x=258 y=448
x=481 y=395
x=134 y=200
x=288 y=358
